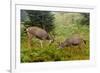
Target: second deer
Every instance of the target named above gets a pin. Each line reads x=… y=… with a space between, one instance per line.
x=73 y=41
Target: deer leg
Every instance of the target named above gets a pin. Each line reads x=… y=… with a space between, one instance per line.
x=29 y=39
x=50 y=41
x=41 y=43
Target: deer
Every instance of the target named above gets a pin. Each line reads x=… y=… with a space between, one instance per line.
x=72 y=41
x=39 y=33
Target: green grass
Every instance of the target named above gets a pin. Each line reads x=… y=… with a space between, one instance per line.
x=53 y=52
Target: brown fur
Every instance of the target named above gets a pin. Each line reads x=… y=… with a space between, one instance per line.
x=38 y=33
x=73 y=41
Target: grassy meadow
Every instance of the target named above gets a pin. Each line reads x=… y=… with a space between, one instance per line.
x=66 y=25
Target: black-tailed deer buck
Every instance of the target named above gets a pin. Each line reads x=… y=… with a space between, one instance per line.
x=38 y=33
x=72 y=41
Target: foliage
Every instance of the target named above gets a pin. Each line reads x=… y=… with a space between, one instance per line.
x=24 y=16
x=43 y=19
x=85 y=20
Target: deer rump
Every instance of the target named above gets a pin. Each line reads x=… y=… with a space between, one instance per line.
x=74 y=41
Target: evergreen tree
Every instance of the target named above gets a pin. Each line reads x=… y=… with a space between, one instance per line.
x=42 y=19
